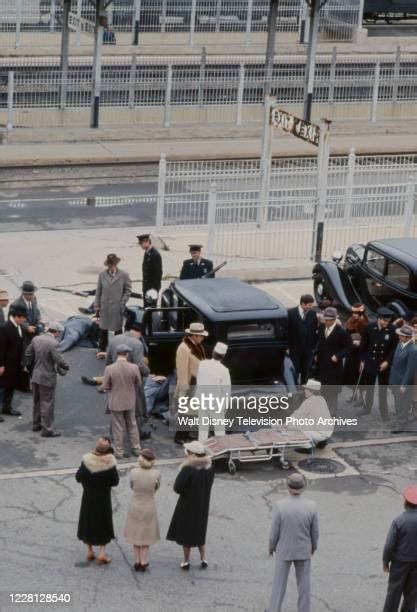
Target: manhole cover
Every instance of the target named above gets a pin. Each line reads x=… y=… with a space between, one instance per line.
x=321 y=466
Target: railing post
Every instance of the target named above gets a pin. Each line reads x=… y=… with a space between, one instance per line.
x=240 y=90
x=323 y=159
x=397 y=68
x=332 y=75
x=163 y=15
x=202 y=77
x=132 y=81
x=249 y=22
x=409 y=208
x=78 y=32
x=52 y=16
x=109 y=10
x=360 y=14
x=10 y=99
x=218 y=13
x=167 y=115
x=136 y=22
x=350 y=179
x=265 y=167
x=304 y=22
x=160 y=203
x=375 y=92
x=192 y=21
x=18 y=22
x=211 y=219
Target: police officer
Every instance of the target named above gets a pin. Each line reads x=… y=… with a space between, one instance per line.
x=379 y=342
x=151 y=265
x=197 y=266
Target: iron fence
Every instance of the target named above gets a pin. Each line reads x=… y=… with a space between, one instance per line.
x=39 y=22
x=207 y=89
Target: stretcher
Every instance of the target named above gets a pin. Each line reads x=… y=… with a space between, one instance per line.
x=253 y=446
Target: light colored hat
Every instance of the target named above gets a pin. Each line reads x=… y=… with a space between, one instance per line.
x=3 y=294
x=220 y=348
x=195 y=447
x=151 y=295
x=312 y=385
x=123 y=348
x=405 y=330
x=296 y=483
x=196 y=329
x=330 y=314
x=55 y=326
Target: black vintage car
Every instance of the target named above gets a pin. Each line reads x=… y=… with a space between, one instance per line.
x=382 y=273
x=249 y=320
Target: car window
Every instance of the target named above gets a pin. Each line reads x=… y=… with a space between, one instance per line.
x=375 y=261
x=397 y=274
x=251 y=330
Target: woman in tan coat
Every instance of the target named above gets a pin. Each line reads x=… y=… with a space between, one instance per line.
x=142 y=528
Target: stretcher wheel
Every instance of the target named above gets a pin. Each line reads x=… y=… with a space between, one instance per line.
x=232 y=468
x=284 y=464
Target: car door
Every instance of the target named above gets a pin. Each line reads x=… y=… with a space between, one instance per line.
x=163 y=331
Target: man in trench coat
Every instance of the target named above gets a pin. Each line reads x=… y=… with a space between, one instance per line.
x=11 y=347
x=113 y=291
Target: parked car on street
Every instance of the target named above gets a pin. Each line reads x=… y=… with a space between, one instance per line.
x=382 y=273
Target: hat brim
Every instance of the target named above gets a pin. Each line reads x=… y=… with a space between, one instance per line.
x=311 y=388
x=194 y=333
x=113 y=262
x=296 y=491
x=400 y=333
x=327 y=318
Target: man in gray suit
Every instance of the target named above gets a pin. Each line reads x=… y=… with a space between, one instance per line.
x=293 y=538
x=401 y=378
x=43 y=354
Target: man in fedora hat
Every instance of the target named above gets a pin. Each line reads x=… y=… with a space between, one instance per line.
x=196 y=266
x=313 y=407
x=121 y=380
x=400 y=556
x=151 y=266
x=113 y=291
x=190 y=353
x=4 y=300
x=401 y=378
x=47 y=360
x=378 y=345
x=213 y=379
x=11 y=353
x=302 y=336
x=333 y=345
x=293 y=539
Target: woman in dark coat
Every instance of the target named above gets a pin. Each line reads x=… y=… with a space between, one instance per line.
x=355 y=325
x=193 y=484
x=97 y=474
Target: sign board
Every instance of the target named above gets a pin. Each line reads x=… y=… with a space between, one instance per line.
x=293 y=125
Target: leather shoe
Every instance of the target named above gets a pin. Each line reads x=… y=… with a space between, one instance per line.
x=87 y=380
x=1 y=419
x=145 y=435
x=36 y=428
x=12 y=412
x=50 y=434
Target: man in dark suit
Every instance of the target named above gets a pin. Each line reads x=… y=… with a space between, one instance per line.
x=4 y=300
x=401 y=378
x=333 y=345
x=11 y=347
x=196 y=266
x=151 y=265
x=302 y=336
x=377 y=351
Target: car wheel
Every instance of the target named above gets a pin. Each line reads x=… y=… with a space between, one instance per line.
x=232 y=468
x=284 y=464
x=321 y=289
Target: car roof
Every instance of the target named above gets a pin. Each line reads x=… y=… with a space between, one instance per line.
x=402 y=249
x=228 y=299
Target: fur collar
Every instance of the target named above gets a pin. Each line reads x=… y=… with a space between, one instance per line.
x=198 y=463
x=98 y=463
x=196 y=349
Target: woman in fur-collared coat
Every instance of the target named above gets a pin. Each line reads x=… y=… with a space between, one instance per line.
x=193 y=484
x=97 y=474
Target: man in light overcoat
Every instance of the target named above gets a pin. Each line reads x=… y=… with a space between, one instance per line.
x=45 y=357
x=113 y=291
x=401 y=378
x=293 y=539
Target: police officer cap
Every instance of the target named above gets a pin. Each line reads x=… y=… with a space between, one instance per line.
x=123 y=348
x=17 y=310
x=143 y=237
x=384 y=313
x=195 y=247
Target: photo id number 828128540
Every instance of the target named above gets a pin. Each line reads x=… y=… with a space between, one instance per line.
x=39 y=598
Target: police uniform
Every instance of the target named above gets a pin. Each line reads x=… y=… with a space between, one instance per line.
x=151 y=268
x=196 y=269
x=378 y=345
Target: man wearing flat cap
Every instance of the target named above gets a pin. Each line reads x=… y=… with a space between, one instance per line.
x=293 y=539
x=46 y=360
x=11 y=354
x=333 y=345
x=378 y=345
x=121 y=380
x=151 y=266
x=113 y=291
x=196 y=266
x=400 y=557
x=4 y=300
x=401 y=378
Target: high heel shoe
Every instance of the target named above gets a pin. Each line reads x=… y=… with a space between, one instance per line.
x=103 y=560
x=90 y=556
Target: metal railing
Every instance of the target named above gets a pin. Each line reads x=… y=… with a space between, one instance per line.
x=207 y=89
x=38 y=22
x=219 y=202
